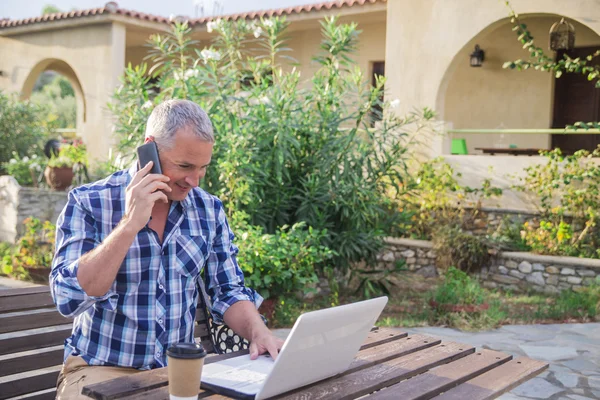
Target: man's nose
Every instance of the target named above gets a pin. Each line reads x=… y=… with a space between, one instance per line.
x=192 y=181
x=194 y=178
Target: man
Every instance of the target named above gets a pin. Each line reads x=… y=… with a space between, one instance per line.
x=129 y=254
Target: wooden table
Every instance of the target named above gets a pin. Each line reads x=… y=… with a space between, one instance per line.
x=514 y=151
x=443 y=370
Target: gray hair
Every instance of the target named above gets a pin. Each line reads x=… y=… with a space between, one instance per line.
x=170 y=116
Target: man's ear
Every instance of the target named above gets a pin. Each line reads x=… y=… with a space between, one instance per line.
x=149 y=139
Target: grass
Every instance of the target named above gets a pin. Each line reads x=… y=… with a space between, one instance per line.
x=409 y=306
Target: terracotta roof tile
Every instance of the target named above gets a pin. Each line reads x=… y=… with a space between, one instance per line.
x=288 y=11
x=112 y=8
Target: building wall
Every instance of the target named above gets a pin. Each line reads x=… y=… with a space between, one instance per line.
x=426 y=46
x=491 y=97
x=306 y=44
x=96 y=57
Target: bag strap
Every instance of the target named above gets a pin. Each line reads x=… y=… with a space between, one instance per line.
x=223 y=338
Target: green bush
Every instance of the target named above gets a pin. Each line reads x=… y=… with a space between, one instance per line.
x=58 y=99
x=22 y=129
x=508 y=236
x=566 y=190
x=458 y=288
x=584 y=303
x=24 y=169
x=287 y=150
x=463 y=250
x=280 y=265
x=31 y=257
x=434 y=198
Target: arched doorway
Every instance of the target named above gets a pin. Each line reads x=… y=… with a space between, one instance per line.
x=67 y=72
x=493 y=98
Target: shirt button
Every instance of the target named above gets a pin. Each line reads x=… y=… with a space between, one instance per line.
x=161 y=287
x=158 y=354
x=160 y=321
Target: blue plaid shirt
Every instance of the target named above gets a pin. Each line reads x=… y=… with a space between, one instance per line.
x=152 y=302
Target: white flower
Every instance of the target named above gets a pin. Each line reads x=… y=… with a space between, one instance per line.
x=25 y=159
x=213 y=25
x=177 y=76
x=208 y=54
x=268 y=23
x=190 y=72
x=257 y=32
x=33 y=157
x=13 y=161
x=395 y=103
x=147 y=105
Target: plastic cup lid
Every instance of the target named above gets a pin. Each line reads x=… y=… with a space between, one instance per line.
x=186 y=350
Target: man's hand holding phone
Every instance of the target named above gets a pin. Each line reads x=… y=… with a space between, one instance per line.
x=143 y=191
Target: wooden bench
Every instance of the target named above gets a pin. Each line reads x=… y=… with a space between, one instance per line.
x=32 y=335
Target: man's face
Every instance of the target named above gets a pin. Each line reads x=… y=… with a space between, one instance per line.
x=185 y=162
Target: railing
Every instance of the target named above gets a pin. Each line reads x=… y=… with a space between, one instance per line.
x=526 y=131
x=495 y=143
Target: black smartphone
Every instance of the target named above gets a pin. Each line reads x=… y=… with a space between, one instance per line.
x=146 y=153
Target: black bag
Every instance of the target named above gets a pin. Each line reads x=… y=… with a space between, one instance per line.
x=223 y=338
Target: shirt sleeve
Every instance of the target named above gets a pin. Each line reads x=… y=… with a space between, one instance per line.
x=75 y=236
x=224 y=278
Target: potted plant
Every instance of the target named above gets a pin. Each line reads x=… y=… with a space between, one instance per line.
x=59 y=172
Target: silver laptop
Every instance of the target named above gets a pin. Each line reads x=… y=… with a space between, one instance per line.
x=321 y=344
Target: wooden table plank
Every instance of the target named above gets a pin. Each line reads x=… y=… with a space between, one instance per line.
x=365 y=381
x=382 y=335
x=150 y=383
x=141 y=382
x=366 y=358
x=496 y=382
x=398 y=348
x=443 y=378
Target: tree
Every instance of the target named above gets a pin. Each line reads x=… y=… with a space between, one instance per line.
x=50 y=9
x=542 y=62
x=58 y=98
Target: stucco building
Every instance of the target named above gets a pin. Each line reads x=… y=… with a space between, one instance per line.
x=423 y=47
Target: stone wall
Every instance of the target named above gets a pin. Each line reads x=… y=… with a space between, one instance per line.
x=487 y=220
x=516 y=271
x=18 y=203
x=549 y=274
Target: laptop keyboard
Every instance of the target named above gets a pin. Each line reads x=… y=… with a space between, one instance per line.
x=239 y=372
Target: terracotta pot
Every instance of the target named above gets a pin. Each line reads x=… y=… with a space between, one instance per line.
x=59 y=178
x=468 y=308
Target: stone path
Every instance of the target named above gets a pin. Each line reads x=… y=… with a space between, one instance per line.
x=572 y=350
